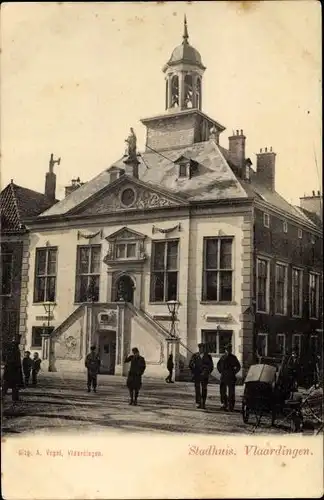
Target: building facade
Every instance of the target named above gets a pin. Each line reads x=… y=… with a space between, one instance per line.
x=16 y=203
x=183 y=221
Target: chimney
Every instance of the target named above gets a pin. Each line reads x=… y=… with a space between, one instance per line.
x=50 y=179
x=266 y=168
x=313 y=203
x=237 y=148
x=75 y=184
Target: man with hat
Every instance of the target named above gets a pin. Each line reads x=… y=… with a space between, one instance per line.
x=201 y=366
x=228 y=366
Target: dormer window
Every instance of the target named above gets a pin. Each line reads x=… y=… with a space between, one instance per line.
x=186 y=167
x=183 y=169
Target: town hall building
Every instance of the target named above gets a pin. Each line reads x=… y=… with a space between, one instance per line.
x=180 y=244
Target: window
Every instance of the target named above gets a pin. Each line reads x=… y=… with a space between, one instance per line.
x=266 y=220
x=285 y=227
x=216 y=340
x=6 y=273
x=45 y=274
x=262 y=285
x=37 y=332
x=300 y=234
x=126 y=250
x=281 y=343
x=314 y=344
x=262 y=344
x=164 y=273
x=313 y=295
x=217 y=269
x=183 y=167
x=297 y=342
x=297 y=290
x=281 y=289
x=88 y=273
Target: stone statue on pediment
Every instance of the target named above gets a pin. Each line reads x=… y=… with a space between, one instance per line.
x=131 y=140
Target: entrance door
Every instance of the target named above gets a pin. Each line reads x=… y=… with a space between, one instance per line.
x=125 y=289
x=107 y=352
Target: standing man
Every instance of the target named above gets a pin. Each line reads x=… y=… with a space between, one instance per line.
x=92 y=364
x=27 y=367
x=170 y=366
x=35 y=368
x=136 y=370
x=228 y=366
x=201 y=366
x=12 y=375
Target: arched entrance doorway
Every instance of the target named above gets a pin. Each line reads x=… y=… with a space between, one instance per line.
x=125 y=289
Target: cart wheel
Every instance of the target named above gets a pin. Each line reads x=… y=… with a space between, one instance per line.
x=245 y=413
x=296 y=424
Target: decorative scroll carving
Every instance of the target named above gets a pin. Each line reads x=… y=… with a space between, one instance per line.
x=89 y=236
x=165 y=231
x=68 y=346
x=144 y=199
x=108 y=318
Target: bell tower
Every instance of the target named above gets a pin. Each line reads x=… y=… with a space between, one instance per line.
x=183 y=76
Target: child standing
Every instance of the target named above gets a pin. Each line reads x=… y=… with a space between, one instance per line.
x=27 y=367
x=36 y=367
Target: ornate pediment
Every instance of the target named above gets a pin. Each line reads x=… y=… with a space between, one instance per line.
x=125 y=234
x=129 y=195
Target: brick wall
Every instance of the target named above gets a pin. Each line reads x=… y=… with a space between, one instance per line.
x=304 y=253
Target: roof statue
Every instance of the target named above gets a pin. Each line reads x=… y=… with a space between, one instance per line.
x=131 y=150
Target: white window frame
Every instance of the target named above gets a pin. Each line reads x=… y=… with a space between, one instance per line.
x=126 y=243
x=285 y=226
x=218 y=332
x=266 y=219
x=317 y=275
x=299 y=343
x=283 y=335
x=265 y=335
x=267 y=260
x=218 y=270
x=285 y=265
x=299 y=315
x=300 y=233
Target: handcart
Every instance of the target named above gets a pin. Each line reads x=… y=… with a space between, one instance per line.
x=265 y=394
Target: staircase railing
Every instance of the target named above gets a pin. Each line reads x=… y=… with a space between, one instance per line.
x=68 y=321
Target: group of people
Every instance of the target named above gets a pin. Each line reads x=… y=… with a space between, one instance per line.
x=17 y=373
x=134 y=378
x=201 y=366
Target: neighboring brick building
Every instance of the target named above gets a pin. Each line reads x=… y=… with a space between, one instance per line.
x=16 y=204
x=186 y=220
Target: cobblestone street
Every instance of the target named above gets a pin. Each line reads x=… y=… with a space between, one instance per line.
x=63 y=402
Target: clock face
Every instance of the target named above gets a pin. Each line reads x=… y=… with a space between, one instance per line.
x=128 y=197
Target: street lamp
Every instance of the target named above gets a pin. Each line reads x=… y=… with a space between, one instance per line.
x=173 y=306
x=47 y=346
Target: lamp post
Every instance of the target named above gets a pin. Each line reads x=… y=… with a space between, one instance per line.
x=173 y=306
x=173 y=340
x=49 y=308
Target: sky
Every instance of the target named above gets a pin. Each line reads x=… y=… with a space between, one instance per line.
x=76 y=76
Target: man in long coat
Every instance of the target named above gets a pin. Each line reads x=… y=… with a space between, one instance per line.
x=136 y=370
x=12 y=375
x=201 y=366
x=228 y=366
x=92 y=364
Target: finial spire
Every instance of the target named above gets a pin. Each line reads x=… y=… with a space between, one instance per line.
x=185 y=30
